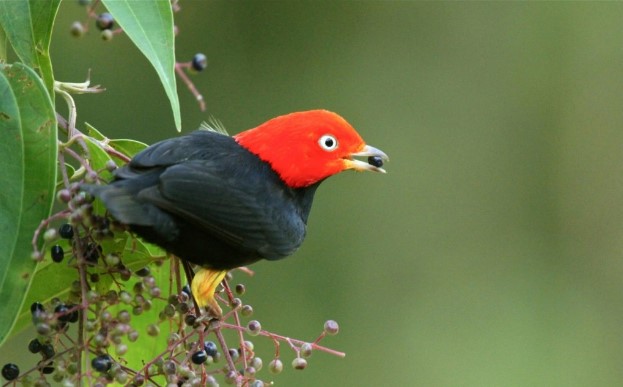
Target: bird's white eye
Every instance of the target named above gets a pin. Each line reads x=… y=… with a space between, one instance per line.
x=328 y=142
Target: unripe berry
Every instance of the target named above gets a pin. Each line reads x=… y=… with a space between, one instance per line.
x=299 y=363
x=254 y=327
x=306 y=350
x=50 y=235
x=240 y=289
x=247 y=310
x=331 y=327
x=106 y=36
x=76 y=29
x=275 y=366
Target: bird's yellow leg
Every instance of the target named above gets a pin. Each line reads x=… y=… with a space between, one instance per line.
x=203 y=287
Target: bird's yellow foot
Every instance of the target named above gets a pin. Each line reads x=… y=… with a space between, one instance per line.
x=203 y=287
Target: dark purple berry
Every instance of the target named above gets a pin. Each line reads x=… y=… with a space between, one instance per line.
x=200 y=62
x=48 y=368
x=190 y=319
x=102 y=363
x=93 y=251
x=144 y=272
x=57 y=253
x=10 y=371
x=35 y=346
x=36 y=307
x=210 y=348
x=47 y=350
x=199 y=357
x=104 y=21
x=73 y=316
x=375 y=161
x=62 y=311
x=66 y=231
x=186 y=289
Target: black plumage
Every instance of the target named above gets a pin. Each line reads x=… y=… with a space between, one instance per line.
x=209 y=201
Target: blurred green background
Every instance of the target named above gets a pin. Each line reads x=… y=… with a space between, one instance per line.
x=491 y=252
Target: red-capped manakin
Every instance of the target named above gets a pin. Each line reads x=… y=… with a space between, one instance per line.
x=222 y=202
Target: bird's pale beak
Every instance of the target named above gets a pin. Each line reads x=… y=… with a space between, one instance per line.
x=376 y=157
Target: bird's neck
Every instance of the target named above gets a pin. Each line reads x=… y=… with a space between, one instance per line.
x=305 y=197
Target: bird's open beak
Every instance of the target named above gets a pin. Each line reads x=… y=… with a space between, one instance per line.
x=376 y=157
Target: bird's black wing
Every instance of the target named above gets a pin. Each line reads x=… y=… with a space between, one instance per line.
x=245 y=207
x=197 y=145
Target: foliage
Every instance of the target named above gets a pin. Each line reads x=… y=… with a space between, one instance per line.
x=135 y=319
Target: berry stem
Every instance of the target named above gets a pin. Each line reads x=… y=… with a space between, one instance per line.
x=179 y=69
x=274 y=336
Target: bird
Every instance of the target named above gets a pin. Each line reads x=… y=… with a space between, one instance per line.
x=222 y=202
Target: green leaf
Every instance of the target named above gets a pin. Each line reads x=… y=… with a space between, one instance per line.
x=28 y=145
x=96 y=134
x=128 y=147
x=3 y=45
x=149 y=24
x=28 y=26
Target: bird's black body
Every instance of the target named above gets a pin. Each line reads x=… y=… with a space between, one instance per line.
x=209 y=201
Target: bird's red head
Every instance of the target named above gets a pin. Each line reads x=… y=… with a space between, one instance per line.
x=307 y=147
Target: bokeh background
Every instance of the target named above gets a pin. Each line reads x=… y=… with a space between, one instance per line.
x=491 y=254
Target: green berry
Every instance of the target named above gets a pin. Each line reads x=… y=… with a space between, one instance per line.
x=247 y=310
x=233 y=352
x=106 y=35
x=169 y=367
x=153 y=330
x=76 y=29
x=230 y=377
x=306 y=350
x=331 y=327
x=50 y=235
x=254 y=327
x=63 y=196
x=275 y=366
x=299 y=363
x=257 y=363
